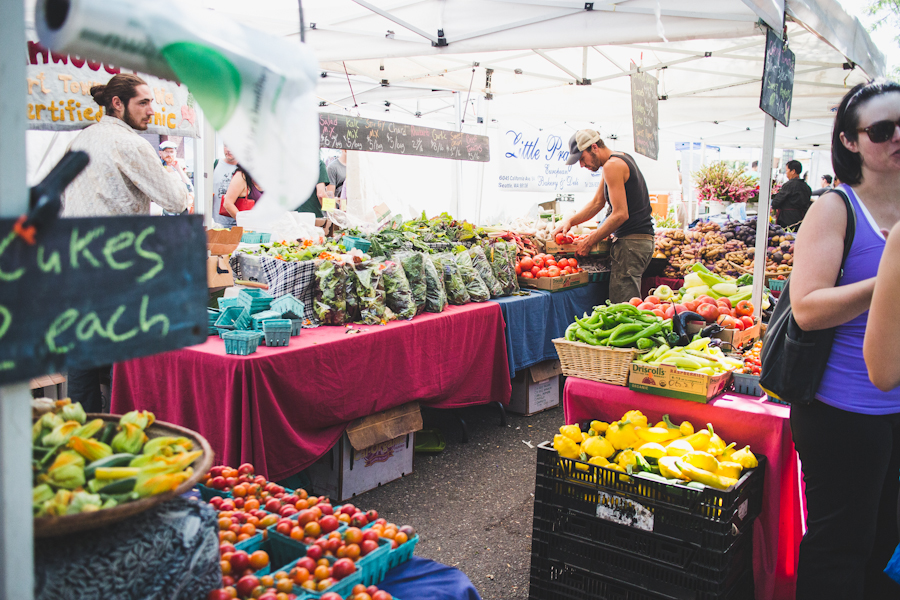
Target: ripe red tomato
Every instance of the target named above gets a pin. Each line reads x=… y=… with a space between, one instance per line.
x=652 y=299
x=560 y=238
x=725 y=300
x=539 y=261
x=680 y=308
x=573 y=262
x=669 y=312
x=527 y=275
x=553 y=271
x=535 y=270
x=744 y=308
x=527 y=264
x=518 y=268
x=543 y=273
x=646 y=306
x=747 y=321
x=568 y=270
x=708 y=312
x=659 y=313
x=705 y=300
x=551 y=262
x=562 y=263
x=636 y=301
x=727 y=321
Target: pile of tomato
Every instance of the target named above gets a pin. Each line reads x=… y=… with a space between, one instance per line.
x=751 y=360
x=546 y=265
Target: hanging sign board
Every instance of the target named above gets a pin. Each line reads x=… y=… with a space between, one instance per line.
x=778 y=80
x=370 y=135
x=645 y=114
x=59 y=94
x=534 y=160
x=96 y=291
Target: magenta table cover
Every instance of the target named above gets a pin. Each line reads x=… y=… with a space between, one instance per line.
x=282 y=408
x=738 y=418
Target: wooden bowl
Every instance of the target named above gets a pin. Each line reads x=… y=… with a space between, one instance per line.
x=45 y=527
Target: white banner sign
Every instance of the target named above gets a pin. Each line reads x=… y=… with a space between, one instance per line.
x=59 y=95
x=534 y=160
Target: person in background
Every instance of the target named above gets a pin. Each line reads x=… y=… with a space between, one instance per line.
x=242 y=192
x=793 y=199
x=754 y=171
x=826 y=185
x=337 y=173
x=623 y=186
x=313 y=204
x=223 y=173
x=852 y=534
x=167 y=155
x=122 y=178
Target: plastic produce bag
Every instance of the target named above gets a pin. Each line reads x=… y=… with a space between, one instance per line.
x=371 y=295
x=330 y=299
x=476 y=288
x=399 y=295
x=483 y=266
x=352 y=313
x=453 y=281
x=435 y=294
x=504 y=268
x=414 y=267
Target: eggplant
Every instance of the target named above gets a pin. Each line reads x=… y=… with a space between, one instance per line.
x=711 y=330
x=679 y=324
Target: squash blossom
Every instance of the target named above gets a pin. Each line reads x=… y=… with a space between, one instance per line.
x=48 y=422
x=84 y=502
x=170 y=464
x=40 y=494
x=149 y=484
x=57 y=505
x=73 y=412
x=67 y=471
x=89 y=430
x=61 y=433
x=167 y=446
x=90 y=449
x=142 y=418
x=130 y=439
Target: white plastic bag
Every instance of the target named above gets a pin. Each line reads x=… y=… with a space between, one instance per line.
x=296 y=226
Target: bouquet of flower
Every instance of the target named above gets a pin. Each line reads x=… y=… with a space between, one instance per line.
x=717 y=182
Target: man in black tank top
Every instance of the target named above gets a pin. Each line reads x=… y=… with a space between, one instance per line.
x=624 y=187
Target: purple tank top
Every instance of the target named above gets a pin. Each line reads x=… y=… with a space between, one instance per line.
x=846 y=384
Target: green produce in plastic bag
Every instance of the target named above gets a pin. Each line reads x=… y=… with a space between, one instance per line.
x=330 y=301
x=453 y=281
x=399 y=295
x=371 y=295
x=435 y=294
x=504 y=268
x=414 y=268
x=475 y=286
x=483 y=266
x=352 y=313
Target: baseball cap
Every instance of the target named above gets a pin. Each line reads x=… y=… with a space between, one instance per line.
x=168 y=144
x=581 y=141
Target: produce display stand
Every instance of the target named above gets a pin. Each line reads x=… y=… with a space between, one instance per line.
x=533 y=321
x=282 y=408
x=764 y=426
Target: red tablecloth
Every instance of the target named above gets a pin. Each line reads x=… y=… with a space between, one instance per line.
x=284 y=407
x=745 y=420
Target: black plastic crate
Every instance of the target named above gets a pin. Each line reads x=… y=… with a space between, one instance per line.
x=692 y=559
x=624 y=566
x=553 y=580
x=706 y=516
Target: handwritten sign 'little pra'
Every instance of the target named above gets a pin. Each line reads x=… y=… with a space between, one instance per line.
x=96 y=291
x=534 y=160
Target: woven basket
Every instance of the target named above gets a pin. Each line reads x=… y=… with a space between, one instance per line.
x=597 y=363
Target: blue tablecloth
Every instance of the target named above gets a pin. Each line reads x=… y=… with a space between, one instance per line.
x=532 y=322
x=423 y=578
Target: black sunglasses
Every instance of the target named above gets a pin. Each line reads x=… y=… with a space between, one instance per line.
x=880 y=131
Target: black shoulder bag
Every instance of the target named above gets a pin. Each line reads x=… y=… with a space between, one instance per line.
x=793 y=360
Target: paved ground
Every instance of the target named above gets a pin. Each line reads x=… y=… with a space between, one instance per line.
x=472 y=504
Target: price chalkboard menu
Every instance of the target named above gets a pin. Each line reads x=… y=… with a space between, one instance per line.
x=778 y=80
x=370 y=135
x=96 y=291
x=645 y=114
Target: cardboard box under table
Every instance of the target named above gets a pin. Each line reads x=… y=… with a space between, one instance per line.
x=666 y=380
x=220 y=243
x=536 y=388
x=373 y=451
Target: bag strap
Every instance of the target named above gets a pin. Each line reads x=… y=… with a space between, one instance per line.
x=850 y=233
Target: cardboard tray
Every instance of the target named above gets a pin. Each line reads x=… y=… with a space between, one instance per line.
x=551 y=247
x=556 y=284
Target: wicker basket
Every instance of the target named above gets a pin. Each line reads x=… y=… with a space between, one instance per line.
x=597 y=363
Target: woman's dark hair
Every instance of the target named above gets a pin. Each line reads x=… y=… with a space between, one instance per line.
x=122 y=85
x=848 y=165
x=247 y=178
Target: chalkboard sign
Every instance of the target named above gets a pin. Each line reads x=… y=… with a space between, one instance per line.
x=370 y=135
x=645 y=114
x=96 y=291
x=778 y=80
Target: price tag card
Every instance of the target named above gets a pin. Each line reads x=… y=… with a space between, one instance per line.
x=328 y=204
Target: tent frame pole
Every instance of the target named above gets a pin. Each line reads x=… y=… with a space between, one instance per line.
x=16 y=521
x=762 y=220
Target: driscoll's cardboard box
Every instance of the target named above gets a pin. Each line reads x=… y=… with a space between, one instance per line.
x=665 y=380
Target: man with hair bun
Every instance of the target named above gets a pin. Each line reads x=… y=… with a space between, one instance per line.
x=122 y=178
x=125 y=173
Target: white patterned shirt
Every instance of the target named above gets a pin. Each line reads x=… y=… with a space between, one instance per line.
x=123 y=176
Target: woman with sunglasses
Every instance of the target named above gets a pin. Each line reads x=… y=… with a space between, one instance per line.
x=849 y=438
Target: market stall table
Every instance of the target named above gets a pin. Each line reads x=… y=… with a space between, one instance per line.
x=282 y=408
x=533 y=321
x=764 y=426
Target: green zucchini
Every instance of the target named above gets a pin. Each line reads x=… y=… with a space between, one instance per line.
x=122 y=486
x=114 y=460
